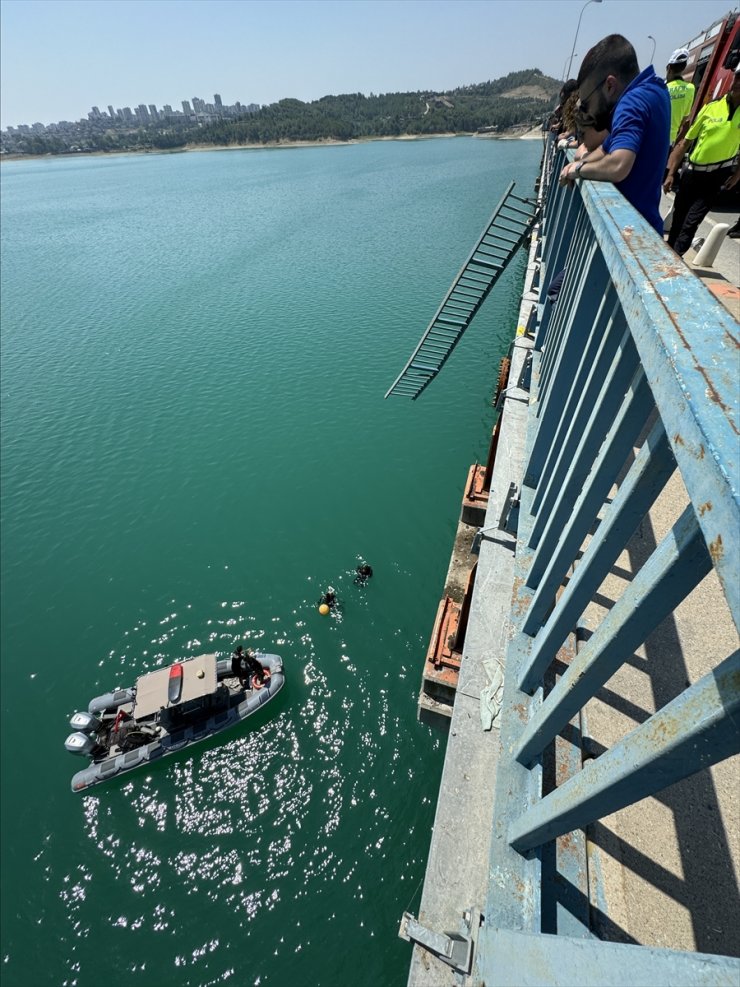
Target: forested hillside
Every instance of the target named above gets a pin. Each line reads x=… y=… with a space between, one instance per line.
x=520 y=98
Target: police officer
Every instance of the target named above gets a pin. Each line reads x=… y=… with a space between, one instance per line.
x=681 y=93
x=713 y=141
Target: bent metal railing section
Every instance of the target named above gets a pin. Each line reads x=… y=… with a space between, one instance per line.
x=633 y=338
x=503 y=235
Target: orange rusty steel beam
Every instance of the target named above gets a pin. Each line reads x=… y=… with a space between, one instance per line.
x=492 y=455
x=442 y=663
x=465 y=610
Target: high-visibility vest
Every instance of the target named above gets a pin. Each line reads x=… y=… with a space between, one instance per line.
x=682 y=99
x=717 y=134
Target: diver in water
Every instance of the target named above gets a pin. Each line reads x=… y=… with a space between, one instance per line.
x=363 y=572
x=329 y=598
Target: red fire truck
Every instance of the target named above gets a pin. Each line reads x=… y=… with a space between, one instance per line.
x=714 y=54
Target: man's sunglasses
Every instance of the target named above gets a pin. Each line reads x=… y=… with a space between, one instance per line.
x=582 y=108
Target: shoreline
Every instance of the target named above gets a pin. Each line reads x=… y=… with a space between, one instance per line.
x=512 y=134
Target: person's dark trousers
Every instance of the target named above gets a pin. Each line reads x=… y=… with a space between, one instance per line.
x=698 y=192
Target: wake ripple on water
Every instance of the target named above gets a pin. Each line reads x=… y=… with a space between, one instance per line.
x=229 y=826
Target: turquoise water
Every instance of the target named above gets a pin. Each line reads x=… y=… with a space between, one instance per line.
x=195 y=443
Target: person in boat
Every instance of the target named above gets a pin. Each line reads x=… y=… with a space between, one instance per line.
x=239 y=666
x=245 y=667
x=363 y=572
x=127 y=733
x=121 y=726
x=254 y=668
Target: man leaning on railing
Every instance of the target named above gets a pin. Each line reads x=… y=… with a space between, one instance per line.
x=635 y=108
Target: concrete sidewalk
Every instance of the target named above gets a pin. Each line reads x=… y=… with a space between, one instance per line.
x=723 y=277
x=456 y=877
x=664 y=872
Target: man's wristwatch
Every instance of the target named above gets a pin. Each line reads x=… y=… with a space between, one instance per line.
x=577 y=168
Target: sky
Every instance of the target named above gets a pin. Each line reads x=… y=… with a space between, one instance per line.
x=58 y=58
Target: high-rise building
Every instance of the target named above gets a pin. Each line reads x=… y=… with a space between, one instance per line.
x=153 y=113
x=217 y=101
x=111 y=112
x=186 y=108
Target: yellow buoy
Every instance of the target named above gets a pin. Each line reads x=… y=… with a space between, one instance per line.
x=323 y=609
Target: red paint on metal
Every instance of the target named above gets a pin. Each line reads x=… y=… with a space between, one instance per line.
x=476 y=492
x=442 y=663
x=174 y=687
x=503 y=378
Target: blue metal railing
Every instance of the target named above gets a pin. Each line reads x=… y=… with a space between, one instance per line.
x=635 y=345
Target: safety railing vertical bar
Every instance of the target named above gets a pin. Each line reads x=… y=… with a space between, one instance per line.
x=558 y=236
x=648 y=475
x=566 y=313
x=570 y=384
x=634 y=377
x=576 y=245
x=678 y=565
x=556 y=553
x=570 y=462
x=696 y=730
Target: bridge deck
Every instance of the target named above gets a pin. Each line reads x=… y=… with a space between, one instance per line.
x=662 y=872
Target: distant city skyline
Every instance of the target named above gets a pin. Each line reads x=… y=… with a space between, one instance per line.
x=59 y=57
x=146 y=113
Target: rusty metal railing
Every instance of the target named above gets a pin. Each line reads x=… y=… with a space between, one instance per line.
x=635 y=353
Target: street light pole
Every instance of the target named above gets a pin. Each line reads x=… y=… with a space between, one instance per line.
x=652 y=54
x=578 y=28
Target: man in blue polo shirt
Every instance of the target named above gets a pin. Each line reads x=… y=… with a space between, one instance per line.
x=635 y=108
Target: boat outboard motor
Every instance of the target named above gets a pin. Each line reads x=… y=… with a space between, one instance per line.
x=85 y=722
x=80 y=743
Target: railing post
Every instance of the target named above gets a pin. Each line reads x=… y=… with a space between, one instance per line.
x=695 y=731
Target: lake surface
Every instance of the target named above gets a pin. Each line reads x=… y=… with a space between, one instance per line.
x=195 y=444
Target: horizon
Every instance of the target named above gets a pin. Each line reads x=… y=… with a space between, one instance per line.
x=123 y=53
x=178 y=103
